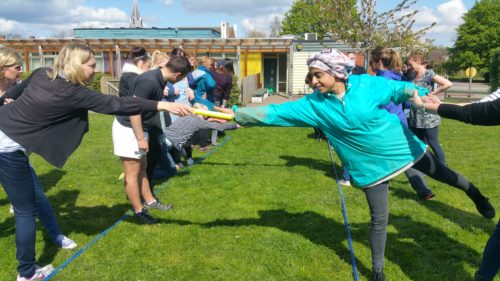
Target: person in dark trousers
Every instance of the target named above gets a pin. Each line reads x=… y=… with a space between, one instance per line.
x=130 y=137
x=370 y=141
x=486 y=114
x=387 y=63
x=50 y=117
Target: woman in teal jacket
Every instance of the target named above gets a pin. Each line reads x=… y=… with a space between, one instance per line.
x=371 y=142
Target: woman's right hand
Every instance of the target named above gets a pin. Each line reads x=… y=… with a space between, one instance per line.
x=143 y=145
x=175 y=108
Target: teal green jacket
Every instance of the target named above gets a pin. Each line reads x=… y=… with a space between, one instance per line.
x=371 y=142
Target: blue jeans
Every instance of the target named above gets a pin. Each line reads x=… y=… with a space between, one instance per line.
x=44 y=211
x=490 y=264
x=17 y=181
x=345 y=174
x=165 y=167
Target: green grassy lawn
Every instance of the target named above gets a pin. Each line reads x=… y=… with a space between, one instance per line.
x=262 y=207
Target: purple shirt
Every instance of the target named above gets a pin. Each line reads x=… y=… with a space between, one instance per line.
x=392 y=107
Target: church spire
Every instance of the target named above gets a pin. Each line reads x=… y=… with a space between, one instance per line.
x=135 y=17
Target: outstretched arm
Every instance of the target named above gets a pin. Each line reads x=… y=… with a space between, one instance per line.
x=487 y=113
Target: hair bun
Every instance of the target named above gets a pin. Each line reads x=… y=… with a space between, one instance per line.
x=137 y=52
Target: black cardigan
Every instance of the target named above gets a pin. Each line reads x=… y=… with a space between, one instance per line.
x=485 y=113
x=50 y=117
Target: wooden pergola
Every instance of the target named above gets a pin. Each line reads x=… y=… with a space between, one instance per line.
x=114 y=46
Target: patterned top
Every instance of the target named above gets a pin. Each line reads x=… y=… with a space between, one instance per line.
x=418 y=117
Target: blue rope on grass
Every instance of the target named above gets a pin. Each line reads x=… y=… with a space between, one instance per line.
x=346 y=221
x=124 y=217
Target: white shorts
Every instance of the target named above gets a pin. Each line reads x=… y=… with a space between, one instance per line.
x=125 y=142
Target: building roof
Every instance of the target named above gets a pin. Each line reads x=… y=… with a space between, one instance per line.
x=218 y=45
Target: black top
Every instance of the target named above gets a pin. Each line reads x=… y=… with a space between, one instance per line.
x=223 y=85
x=50 y=117
x=126 y=83
x=149 y=85
x=485 y=113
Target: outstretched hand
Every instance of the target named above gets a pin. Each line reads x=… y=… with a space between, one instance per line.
x=175 y=108
x=224 y=110
x=431 y=103
x=431 y=99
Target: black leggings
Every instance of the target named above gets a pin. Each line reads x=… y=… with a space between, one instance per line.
x=377 y=197
x=435 y=169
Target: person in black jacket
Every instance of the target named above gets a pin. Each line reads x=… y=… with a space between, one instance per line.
x=133 y=137
x=487 y=114
x=49 y=117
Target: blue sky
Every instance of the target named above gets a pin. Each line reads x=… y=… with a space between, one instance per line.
x=49 y=17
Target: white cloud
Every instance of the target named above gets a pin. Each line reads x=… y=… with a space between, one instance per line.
x=7 y=26
x=51 y=16
x=168 y=2
x=447 y=16
x=451 y=12
x=262 y=24
x=106 y=15
x=425 y=17
x=257 y=8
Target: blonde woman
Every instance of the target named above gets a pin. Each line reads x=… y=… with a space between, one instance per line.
x=50 y=118
x=10 y=73
x=158 y=58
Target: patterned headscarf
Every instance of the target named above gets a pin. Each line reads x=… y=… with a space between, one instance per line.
x=333 y=62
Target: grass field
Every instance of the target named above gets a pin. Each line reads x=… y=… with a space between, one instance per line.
x=263 y=206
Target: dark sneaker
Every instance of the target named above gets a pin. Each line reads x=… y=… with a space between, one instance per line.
x=427 y=197
x=483 y=204
x=158 y=205
x=145 y=217
x=378 y=276
x=484 y=207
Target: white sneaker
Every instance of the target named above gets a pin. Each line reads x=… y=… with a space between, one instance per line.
x=11 y=209
x=190 y=162
x=64 y=242
x=345 y=183
x=40 y=273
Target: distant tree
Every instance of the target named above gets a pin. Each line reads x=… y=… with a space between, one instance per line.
x=365 y=28
x=11 y=35
x=256 y=34
x=477 y=36
x=234 y=97
x=304 y=17
x=494 y=73
x=393 y=28
x=275 y=27
x=62 y=34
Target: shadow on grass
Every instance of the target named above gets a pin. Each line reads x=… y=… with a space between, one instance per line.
x=314 y=164
x=71 y=219
x=424 y=252
x=47 y=180
x=467 y=221
x=417 y=248
x=51 y=178
x=292 y=161
x=312 y=226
